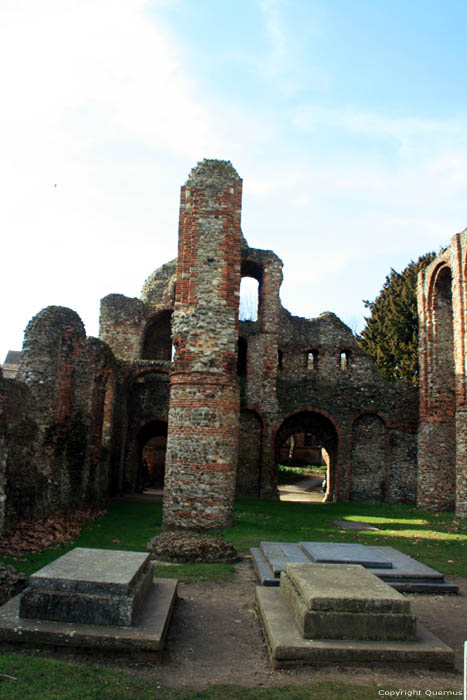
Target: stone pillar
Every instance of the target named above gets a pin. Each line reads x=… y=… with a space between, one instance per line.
x=202 y=438
x=442 y=445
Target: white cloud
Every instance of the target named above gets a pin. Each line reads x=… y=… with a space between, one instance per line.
x=99 y=100
x=94 y=101
x=274 y=27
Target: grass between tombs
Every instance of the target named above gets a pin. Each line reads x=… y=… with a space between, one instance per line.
x=438 y=540
x=435 y=539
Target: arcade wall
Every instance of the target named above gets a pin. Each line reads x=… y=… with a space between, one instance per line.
x=177 y=367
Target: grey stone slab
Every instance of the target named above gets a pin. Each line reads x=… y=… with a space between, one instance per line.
x=94 y=571
x=406 y=574
x=411 y=586
x=261 y=566
x=275 y=555
x=287 y=647
x=404 y=565
x=344 y=588
x=95 y=609
x=148 y=633
x=294 y=553
x=365 y=623
x=279 y=554
x=99 y=587
x=345 y=553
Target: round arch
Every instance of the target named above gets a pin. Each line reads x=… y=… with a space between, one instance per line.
x=324 y=435
x=151 y=440
x=157 y=340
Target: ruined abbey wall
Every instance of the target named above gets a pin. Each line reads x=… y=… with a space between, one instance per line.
x=57 y=417
x=178 y=389
x=442 y=303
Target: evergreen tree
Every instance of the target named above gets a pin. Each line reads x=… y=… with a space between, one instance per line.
x=391 y=332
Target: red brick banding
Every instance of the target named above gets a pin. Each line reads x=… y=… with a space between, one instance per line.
x=202 y=439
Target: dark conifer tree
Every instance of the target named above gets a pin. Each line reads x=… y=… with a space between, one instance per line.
x=391 y=332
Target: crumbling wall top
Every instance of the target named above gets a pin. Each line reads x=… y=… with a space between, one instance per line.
x=158 y=287
x=326 y=330
x=212 y=174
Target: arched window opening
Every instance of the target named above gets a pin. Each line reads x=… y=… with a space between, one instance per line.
x=312 y=360
x=242 y=356
x=251 y=289
x=158 y=342
x=344 y=360
x=280 y=359
x=249 y=299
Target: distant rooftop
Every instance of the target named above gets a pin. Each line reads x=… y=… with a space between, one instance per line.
x=13 y=357
x=11 y=364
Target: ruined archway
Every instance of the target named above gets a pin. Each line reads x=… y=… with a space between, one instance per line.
x=152 y=443
x=321 y=433
x=437 y=432
x=147 y=399
x=157 y=343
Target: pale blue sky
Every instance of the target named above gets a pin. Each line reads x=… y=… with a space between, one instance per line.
x=346 y=120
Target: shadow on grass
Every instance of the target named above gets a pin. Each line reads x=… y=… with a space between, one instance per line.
x=437 y=540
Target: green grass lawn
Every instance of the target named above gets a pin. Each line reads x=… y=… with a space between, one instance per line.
x=288 y=475
x=45 y=679
x=434 y=539
x=437 y=540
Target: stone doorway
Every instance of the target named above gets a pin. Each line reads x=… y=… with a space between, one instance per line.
x=320 y=434
x=152 y=443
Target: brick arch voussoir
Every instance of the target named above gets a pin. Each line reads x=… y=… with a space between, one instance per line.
x=136 y=429
x=142 y=371
x=433 y=281
x=306 y=409
x=368 y=412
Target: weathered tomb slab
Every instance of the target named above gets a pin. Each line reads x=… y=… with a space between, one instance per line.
x=148 y=632
x=405 y=575
x=345 y=553
x=287 y=647
x=347 y=588
x=86 y=570
x=94 y=586
x=345 y=602
x=279 y=554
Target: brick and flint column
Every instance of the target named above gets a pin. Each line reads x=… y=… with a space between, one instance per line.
x=202 y=438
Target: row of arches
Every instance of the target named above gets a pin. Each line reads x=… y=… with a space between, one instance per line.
x=367 y=456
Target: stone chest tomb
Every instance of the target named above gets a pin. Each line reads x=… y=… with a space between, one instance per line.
x=92 y=598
